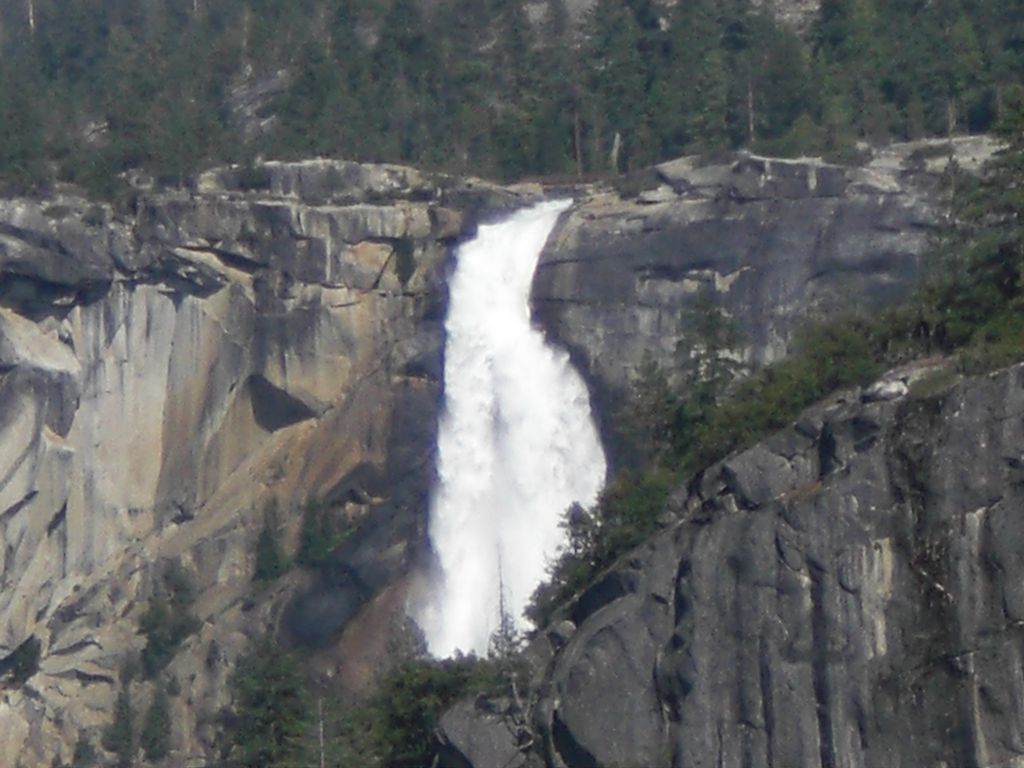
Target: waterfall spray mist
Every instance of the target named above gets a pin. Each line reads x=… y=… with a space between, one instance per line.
x=516 y=444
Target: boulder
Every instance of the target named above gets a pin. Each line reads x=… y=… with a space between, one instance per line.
x=479 y=734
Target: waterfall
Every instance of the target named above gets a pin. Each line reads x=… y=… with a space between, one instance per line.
x=516 y=443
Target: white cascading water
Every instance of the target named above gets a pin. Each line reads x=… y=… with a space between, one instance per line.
x=516 y=444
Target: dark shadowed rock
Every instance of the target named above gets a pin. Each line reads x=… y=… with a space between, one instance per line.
x=603 y=708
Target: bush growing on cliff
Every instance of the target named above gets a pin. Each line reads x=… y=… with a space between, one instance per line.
x=630 y=509
x=643 y=425
x=168 y=620
x=827 y=357
x=119 y=737
x=654 y=415
x=156 y=726
x=322 y=532
x=271 y=563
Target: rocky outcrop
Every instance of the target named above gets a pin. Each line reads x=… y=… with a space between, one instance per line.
x=480 y=732
x=772 y=242
x=798 y=15
x=846 y=593
x=265 y=337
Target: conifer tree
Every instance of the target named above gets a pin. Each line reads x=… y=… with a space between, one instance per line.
x=617 y=81
x=270 y=701
x=119 y=737
x=156 y=726
x=270 y=559
x=21 y=128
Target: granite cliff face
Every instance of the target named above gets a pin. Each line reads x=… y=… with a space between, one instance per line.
x=263 y=338
x=846 y=593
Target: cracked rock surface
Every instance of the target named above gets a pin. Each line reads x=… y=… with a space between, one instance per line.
x=845 y=593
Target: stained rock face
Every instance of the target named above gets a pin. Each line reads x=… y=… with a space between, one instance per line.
x=846 y=593
x=167 y=376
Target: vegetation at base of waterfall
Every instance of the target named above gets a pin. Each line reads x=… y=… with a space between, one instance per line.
x=90 y=89
x=271 y=706
x=168 y=619
x=971 y=309
x=279 y=719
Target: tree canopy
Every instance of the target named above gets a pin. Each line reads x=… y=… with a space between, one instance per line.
x=91 y=88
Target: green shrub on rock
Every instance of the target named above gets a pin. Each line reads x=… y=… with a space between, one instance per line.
x=271 y=563
x=156 y=727
x=119 y=737
x=167 y=621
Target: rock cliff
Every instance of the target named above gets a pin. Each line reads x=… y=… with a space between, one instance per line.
x=841 y=594
x=846 y=593
x=773 y=242
x=264 y=338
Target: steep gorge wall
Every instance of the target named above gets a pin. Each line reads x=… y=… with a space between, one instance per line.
x=168 y=376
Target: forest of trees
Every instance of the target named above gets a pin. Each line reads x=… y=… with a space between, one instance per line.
x=91 y=88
